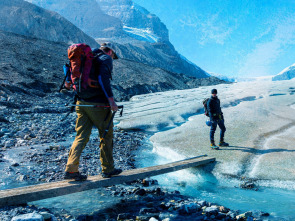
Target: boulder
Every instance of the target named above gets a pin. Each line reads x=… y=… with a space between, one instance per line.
x=28 y=217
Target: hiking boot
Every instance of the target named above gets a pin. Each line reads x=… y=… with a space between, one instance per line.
x=76 y=176
x=223 y=144
x=113 y=173
x=213 y=146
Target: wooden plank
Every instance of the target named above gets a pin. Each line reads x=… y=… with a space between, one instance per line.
x=27 y=194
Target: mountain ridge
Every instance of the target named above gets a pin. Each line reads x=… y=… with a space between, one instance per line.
x=167 y=57
x=21 y=17
x=287 y=74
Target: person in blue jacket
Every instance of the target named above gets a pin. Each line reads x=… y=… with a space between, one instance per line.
x=216 y=118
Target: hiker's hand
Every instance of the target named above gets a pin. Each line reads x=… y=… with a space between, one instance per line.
x=114 y=106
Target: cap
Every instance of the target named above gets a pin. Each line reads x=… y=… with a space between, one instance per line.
x=214 y=91
x=110 y=46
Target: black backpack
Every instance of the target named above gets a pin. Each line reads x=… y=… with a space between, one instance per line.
x=205 y=101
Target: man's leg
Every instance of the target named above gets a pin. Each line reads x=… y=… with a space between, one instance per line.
x=101 y=118
x=212 y=131
x=106 y=147
x=222 y=131
x=83 y=129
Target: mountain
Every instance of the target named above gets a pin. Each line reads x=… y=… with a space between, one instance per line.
x=33 y=67
x=27 y=19
x=31 y=62
x=286 y=74
x=159 y=55
x=87 y=15
x=139 y=35
x=138 y=22
x=152 y=46
x=223 y=77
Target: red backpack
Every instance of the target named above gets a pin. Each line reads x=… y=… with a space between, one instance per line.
x=83 y=71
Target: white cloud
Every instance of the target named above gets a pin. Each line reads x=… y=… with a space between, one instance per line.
x=213 y=29
x=209 y=29
x=259 y=62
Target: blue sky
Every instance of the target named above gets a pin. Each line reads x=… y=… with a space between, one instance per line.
x=243 y=38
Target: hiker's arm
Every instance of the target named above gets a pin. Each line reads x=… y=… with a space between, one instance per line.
x=210 y=110
x=105 y=70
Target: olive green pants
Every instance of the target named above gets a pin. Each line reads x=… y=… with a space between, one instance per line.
x=87 y=117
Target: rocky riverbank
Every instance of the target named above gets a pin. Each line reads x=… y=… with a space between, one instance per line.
x=34 y=147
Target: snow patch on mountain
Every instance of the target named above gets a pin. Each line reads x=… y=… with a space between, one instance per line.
x=136 y=17
x=223 y=77
x=141 y=34
x=286 y=74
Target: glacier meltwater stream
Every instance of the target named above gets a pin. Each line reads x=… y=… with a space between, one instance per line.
x=276 y=197
x=260 y=122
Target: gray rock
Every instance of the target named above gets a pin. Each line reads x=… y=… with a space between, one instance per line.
x=32 y=135
x=140 y=192
x=22 y=178
x=202 y=203
x=213 y=210
x=27 y=137
x=15 y=165
x=25 y=130
x=20 y=134
x=189 y=208
x=46 y=215
x=147 y=210
x=10 y=99
x=4 y=130
x=163 y=216
x=3 y=98
x=9 y=143
x=123 y=216
x=231 y=214
x=28 y=217
x=244 y=216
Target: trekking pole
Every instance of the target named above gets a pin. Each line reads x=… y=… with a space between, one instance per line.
x=72 y=108
x=88 y=105
x=108 y=127
x=62 y=85
x=109 y=124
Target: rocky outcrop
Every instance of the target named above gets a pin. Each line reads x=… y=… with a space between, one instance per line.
x=34 y=67
x=137 y=20
x=286 y=74
x=133 y=78
x=161 y=55
x=153 y=46
x=24 y=18
x=86 y=15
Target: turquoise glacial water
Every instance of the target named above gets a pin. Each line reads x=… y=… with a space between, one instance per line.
x=278 y=201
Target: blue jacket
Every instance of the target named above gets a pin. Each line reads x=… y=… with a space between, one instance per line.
x=214 y=108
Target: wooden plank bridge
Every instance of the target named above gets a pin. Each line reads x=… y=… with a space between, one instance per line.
x=27 y=194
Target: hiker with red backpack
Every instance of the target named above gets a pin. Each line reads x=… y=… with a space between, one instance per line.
x=91 y=72
x=216 y=118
